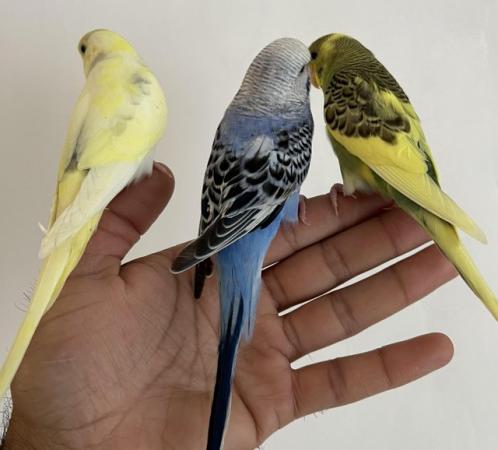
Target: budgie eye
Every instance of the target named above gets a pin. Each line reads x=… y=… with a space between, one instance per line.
x=82 y=49
x=314 y=55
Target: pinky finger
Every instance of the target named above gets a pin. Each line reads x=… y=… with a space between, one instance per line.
x=345 y=380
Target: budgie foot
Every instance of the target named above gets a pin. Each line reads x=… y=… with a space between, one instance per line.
x=335 y=190
x=391 y=205
x=302 y=210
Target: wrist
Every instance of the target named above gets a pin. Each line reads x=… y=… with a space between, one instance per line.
x=21 y=437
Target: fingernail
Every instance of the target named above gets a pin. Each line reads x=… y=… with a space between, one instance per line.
x=163 y=168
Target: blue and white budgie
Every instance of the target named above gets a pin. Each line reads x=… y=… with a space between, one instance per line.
x=259 y=159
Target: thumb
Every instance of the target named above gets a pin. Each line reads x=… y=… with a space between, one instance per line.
x=127 y=217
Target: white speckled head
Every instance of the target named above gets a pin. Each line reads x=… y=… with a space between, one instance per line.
x=277 y=81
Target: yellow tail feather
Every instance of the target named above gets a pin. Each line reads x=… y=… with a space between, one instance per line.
x=55 y=270
x=446 y=237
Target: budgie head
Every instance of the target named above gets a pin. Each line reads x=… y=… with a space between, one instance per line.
x=277 y=81
x=100 y=44
x=329 y=53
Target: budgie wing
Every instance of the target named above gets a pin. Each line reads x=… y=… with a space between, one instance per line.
x=115 y=124
x=80 y=111
x=124 y=121
x=246 y=190
x=379 y=126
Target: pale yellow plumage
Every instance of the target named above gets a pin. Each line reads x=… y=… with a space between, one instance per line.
x=119 y=117
x=405 y=170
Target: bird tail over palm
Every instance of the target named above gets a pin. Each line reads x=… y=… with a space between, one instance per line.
x=240 y=279
x=55 y=270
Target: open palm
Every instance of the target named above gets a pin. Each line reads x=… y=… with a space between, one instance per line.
x=126 y=358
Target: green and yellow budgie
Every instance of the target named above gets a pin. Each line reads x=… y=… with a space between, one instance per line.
x=381 y=147
x=119 y=117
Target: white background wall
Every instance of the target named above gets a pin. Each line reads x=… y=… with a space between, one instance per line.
x=444 y=53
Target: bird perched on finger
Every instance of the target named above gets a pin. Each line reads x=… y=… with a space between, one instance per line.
x=378 y=139
x=118 y=119
x=259 y=159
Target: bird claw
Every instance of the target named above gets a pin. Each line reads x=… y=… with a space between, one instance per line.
x=302 y=210
x=42 y=228
x=336 y=189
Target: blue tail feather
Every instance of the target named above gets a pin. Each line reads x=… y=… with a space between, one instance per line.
x=227 y=352
x=239 y=275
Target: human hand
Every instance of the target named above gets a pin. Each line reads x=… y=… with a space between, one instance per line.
x=126 y=357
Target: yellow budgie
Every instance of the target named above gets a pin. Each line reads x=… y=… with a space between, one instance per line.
x=119 y=117
x=378 y=139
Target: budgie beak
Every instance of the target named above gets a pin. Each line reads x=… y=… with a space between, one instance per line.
x=315 y=81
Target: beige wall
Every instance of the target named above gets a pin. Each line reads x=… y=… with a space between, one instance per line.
x=445 y=53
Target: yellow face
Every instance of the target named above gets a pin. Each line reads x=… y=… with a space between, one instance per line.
x=99 y=44
x=322 y=53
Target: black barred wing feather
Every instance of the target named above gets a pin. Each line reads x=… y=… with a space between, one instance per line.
x=377 y=124
x=368 y=102
x=202 y=270
x=243 y=191
x=357 y=105
x=221 y=233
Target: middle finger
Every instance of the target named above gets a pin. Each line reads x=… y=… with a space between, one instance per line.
x=348 y=311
